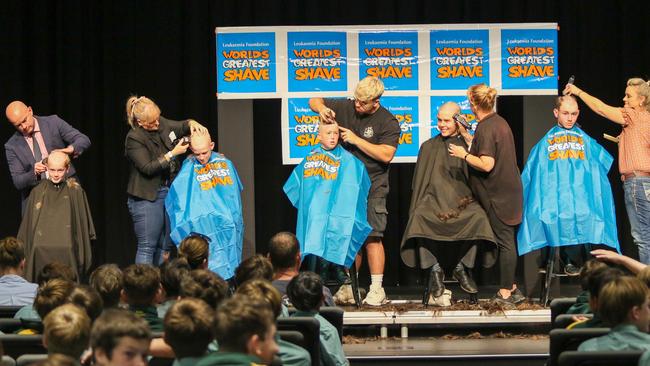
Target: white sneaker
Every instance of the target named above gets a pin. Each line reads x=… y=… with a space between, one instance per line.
x=344 y=295
x=442 y=300
x=376 y=296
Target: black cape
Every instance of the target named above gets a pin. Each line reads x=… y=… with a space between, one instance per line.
x=57 y=226
x=443 y=208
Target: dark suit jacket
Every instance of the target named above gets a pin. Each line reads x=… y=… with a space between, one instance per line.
x=57 y=134
x=147 y=165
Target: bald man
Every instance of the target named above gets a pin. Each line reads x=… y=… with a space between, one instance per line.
x=205 y=198
x=35 y=138
x=57 y=224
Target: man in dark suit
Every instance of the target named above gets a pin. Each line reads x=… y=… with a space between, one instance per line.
x=36 y=137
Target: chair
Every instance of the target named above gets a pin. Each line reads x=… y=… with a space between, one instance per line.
x=18 y=345
x=569 y=340
x=25 y=360
x=564 y=320
x=560 y=306
x=10 y=325
x=600 y=358
x=334 y=315
x=310 y=330
x=9 y=311
x=292 y=336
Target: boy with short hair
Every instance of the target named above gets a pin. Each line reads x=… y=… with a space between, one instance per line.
x=597 y=281
x=108 y=280
x=245 y=330
x=66 y=331
x=119 y=337
x=306 y=294
x=171 y=274
x=205 y=285
x=624 y=304
x=14 y=289
x=188 y=330
x=582 y=301
x=141 y=292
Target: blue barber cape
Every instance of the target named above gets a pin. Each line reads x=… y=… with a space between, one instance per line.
x=206 y=199
x=567 y=196
x=330 y=190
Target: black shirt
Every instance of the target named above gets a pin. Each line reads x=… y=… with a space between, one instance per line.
x=379 y=128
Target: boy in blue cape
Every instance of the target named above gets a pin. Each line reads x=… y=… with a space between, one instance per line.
x=205 y=198
x=567 y=195
x=330 y=190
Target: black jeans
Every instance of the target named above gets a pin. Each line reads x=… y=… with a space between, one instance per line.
x=505 y=236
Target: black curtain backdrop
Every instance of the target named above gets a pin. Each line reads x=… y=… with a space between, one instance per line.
x=82 y=59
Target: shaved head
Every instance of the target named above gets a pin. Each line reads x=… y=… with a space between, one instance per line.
x=449 y=108
x=201 y=145
x=20 y=116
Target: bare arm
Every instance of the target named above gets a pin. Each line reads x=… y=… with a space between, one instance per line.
x=326 y=114
x=612 y=257
x=611 y=113
x=380 y=152
x=483 y=163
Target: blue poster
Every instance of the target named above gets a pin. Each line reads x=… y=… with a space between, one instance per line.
x=405 y=110
x=246 y=62
x=459 y=58
x=529 y=58
x=317 y=61
x=390 y=56
x=303 y=128
x=461 y=100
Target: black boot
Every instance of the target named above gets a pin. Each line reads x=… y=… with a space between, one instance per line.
x=436 y=284
x=464 y=280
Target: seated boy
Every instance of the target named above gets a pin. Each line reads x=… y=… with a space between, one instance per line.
x=623 y=304
x=119 y=337
x=264 y=291
x=306 y=294
x=57 y=224
x=330 y=190
x=142 y=291
x=66 y=331
x=205 y=197
x=171 y=274
x=245 y=330
x=597 y=280
x=582 y=301
x=14 y=289
x=108 y=280
x=205 y=285
x=188 y=330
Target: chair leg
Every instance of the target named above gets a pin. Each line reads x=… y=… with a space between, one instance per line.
x=548 y=277
x=355 y=285
x=427 y=288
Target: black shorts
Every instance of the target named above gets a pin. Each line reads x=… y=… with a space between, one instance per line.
x=377 y=216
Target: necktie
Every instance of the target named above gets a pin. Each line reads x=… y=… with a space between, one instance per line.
x=38 y=156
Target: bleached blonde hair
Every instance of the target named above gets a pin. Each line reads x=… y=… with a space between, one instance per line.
x=369 y=88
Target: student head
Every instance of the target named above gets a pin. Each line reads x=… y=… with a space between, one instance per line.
x=587 y=270
x=597 y=281
x=142 y=112
x=88 y=299
x=12 y=256
x=54 y=270
x=367 y=94
x=57 y=164
x=305 y=291
x=244 y=325
x=566 y=111
x=194 y=249
x=625 y=300
x=189 y=325
x=58 y=359
x=51 y=295
x=284 y=251
x=66 y=331
x=446 y=124
x=254 y=267
x=644 y=275
x=171 y=274
x=481 y=98
x=21 y=117
x=107 y=279
x=201 y=145
x=328 y=133
x=262 y=291
x=120 y=338
x=205 y=285
x=141 y=285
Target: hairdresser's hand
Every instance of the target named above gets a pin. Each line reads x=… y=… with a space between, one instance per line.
x=571 y=89
x=349 y=136
x=457 y=151
x=196 y=127
x=327 y=115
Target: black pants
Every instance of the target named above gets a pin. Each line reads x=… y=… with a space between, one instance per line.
x=505 y=236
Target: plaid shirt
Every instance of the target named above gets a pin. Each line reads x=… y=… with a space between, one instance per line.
x=634 y=145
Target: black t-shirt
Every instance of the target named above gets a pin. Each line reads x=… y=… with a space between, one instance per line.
x=500 y=188
x=379 y=128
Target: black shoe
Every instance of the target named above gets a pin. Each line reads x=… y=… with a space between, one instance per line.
x=341 y=276
x=436 y=284
x=517 y=296
x=465 y=281
x=505 y=303
x=571 y=270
